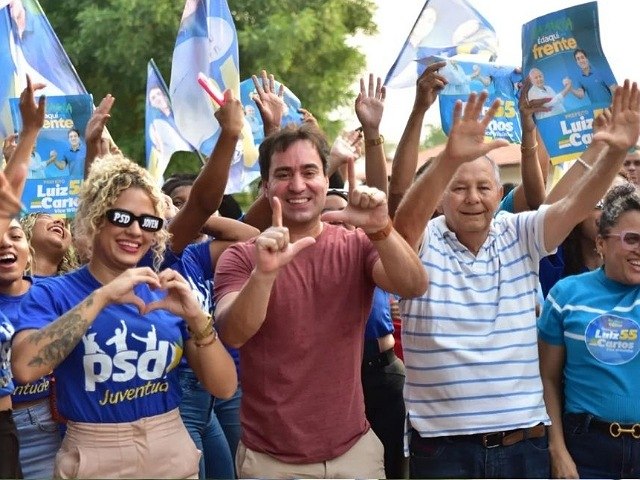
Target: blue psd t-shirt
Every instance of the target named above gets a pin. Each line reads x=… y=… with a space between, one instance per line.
x=27 y=392
x=6 y=333
x=124 y=367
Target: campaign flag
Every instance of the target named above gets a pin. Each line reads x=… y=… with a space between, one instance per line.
x=207 y=43
x=499 y=81
x=563 y=57
x=35 y=50
x=56 y=167
x=446 y=28
x=252 y=115
x=162 y=138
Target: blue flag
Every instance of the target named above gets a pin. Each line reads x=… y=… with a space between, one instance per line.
x=446 y=28
x=207 y=43
x=162 y=138
x=34 y=49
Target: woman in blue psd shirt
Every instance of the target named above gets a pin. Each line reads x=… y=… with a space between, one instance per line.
x=114 y=334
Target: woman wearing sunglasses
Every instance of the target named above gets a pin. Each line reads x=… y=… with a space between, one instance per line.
x=114 y=334
x=588 y=336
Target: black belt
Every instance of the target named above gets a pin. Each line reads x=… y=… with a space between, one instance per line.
x=382 y=359
x=614 y=429
x=494 y=439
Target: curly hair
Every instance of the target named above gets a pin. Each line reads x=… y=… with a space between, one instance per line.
x=109 y=176
x=620 y=199
x=69 y=260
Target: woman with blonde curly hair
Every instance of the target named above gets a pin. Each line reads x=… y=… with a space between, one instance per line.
x=50 y=244
x=113 y=334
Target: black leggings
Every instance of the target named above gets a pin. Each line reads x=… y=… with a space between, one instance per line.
x=9 y=450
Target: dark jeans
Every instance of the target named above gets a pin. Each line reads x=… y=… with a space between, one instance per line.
x=9 y=449
x=384 y=406
x=596 y=453
x=456 y=457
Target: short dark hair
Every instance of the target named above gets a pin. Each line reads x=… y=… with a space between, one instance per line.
x=579 y=50
x=178 y=180
x=284 y=138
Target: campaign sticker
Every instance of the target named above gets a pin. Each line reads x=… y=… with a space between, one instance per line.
x=612 y=340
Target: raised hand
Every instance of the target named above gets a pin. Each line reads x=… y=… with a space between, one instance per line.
x=624 y=127
x=370 y=103
x=230 y=116
x=429 y=85
x=367 y=208
x=32 y=113
x=9 y=146
x=529 y=107
x=270 y=103
x=10 y=205
x=120 y=289
x=307 y=117
x=466 y=138
x=94 y=132
x=273 y=249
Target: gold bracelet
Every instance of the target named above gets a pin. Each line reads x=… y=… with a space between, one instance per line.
x=383 y=233
x=528 y=149
x=373 y=142
x=214 y=335
x=205 y=332
x=583 y=163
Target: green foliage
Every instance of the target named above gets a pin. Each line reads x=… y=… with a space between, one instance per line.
x=302 y=42
x=435 y=136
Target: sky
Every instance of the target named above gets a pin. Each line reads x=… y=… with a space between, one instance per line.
x=619 y=30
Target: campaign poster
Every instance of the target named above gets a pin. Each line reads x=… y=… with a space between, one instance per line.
x=56 y=167
x=499 y=81
x=562 y=54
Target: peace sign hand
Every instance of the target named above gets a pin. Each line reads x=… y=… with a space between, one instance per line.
x=273 y=249
x=367 y=208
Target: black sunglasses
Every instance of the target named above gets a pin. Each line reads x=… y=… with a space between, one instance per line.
x=124 y=218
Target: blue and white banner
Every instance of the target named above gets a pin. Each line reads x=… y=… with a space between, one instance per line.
x=27 y=36
x=291 y=114
x=563 y=56
x=446 y=28
x=207 y=43
x=56 y=168
x=500 y=81
x=162 y=138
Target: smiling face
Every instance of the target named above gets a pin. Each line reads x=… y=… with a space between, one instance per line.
x=622 y=264
x=296 y=177
x=117 y=248
x=470 y=201
x=74 y=139
x=537 y=78
x=50 y=234
x=14 y=255
x=582 y=61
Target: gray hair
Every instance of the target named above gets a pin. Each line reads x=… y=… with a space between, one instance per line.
x=496 y=169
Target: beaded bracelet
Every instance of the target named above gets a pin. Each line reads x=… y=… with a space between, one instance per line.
x=583 y=163
x=372 y=142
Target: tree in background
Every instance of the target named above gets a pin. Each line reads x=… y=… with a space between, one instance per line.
x=303 y=42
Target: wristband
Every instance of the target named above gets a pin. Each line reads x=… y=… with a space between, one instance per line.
x=381 y=234
x=373 y=142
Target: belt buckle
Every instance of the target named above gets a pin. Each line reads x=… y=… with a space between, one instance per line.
x=615 y=429
x=492 y=440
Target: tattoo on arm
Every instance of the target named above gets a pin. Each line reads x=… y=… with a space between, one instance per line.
x=61 y=336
